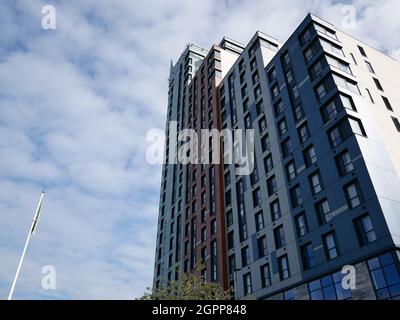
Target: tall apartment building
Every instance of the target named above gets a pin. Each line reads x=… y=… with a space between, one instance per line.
x=325 y=190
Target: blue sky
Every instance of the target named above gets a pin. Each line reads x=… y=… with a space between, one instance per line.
x=75 y=106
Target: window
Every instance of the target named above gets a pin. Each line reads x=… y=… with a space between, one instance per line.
x=396 y=123
x=345 y=129
x=262 y=124
x=265 y=275
x=346 y=84
x=247 y=122
x=244 y=91
x=231 y=241
x=282 y=127
x=247 y=289
x=262 y=246
x=323 y=211
x=365 y=230
x=265 y=143
x=278 y=108
x=369 y=67
x=344 y=163
x=362 y=51
x=290 y=171
x=309 y=155
x=272 y=74
x=387 y=103
x=347 y=102
x=275 y=210
x=307 y=256
x=338 y=64
x=253 y=64
x=203 y=233
x=283 y=266
x=295 y=92
x=255 y=78
x=256 y=197
x=213 y=226
x=301 y=224
x=272 y=186
x=259 y=218
x=203 y=254
x=279 y=237
x=317 y=69
x=229 y=218
x=385 y=274
x=324 y=30
x=353 y=194
x=329 y=111
x=329 y=241
x=245 y=256
x=298 y=112
x=286 y=58
x=289 y=76
x=329 y=288
x=328 y=46
x=241 y=65
x=231 y=264
x=275 y=91
x=286 y=146
x=369 y=95
x=378 y=84
x=228 y=198
x=259 y=107
x=257 y=92
x=316 y=183
x=310 y=51
x=303 y=133
x=321 y=91
x=296 y=196
x=268 y=163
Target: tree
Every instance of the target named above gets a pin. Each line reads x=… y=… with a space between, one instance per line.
x=188 y=287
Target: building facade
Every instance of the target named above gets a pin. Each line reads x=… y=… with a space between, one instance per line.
x=325 y=189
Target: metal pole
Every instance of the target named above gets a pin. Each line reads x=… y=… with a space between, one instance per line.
x=25 y=247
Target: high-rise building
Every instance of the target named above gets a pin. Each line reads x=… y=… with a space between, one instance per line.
x=323 y=201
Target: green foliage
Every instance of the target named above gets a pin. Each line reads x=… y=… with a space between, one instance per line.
x=188 y=287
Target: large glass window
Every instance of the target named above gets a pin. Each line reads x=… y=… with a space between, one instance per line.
x=329 y=288
x=385 y=274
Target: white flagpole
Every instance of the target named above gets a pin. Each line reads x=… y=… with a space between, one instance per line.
x=34 y=221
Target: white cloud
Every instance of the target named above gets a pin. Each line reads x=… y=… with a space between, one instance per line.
x=75 y=107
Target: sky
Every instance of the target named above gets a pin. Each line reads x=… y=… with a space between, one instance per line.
x=75 y=106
